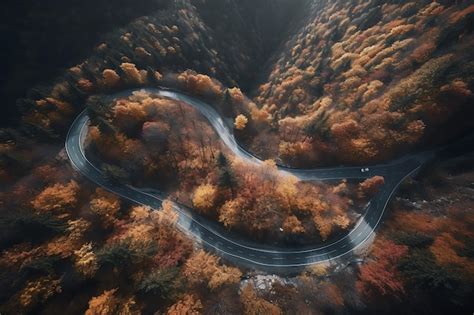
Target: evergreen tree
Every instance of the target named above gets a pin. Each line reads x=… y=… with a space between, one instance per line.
x=222 y=160
x=226 y=177
x=227 y=103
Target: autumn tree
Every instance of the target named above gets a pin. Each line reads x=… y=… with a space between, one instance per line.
x=318 y=270
x=57 y=198
x=109 y=303
x=446 y=249
x=86 y=261
x=229 y=213
x=236 y=95
x=129 y=116
x=167 y=215
x=110 y=78
x=200 y=267
x=224 y=275
x=38 y=291
x=371 y=186
x=204 y=198
x=156 y=133
x=380 y=276
x=132 y=74
x=188 y=305
x=254 y=305
x=65 y=245
x=203 y=268
x=199 y=83
x=106 y=205
x=292 y=225
x=240 y=122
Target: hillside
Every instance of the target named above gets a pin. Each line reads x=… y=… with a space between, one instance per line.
x=364 y=81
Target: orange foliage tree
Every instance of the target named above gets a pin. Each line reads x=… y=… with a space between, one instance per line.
x=371 y=186
x=39 y=291
x=380 y=276
x=204 y=268
x=254 y=305
x=240 y=122
x=109 y=303
x=105 y=205
x=199 y=83
x=57 y=197
x=86 y=260
x=188 y=305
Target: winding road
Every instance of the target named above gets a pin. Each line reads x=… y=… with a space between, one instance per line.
x=230 y=246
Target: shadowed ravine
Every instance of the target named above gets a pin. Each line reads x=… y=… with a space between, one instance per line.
x=229 y=245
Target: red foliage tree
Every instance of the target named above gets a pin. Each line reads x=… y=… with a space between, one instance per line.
x=380 y=275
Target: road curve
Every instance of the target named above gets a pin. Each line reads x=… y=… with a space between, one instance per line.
x=228 y=245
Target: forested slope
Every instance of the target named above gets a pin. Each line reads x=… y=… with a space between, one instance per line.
x=363 y=81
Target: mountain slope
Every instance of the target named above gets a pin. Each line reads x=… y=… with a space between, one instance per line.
x=363 y=81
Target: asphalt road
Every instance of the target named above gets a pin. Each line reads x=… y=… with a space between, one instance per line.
x=230 y=246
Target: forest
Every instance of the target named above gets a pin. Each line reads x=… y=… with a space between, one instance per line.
x=302 y=85
x=157 y=143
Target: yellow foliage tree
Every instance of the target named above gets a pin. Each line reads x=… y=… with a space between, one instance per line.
x=293 y=225
x=237 y=95
x=204 y=268
x=57 y=197
x=133 y=75
x=342 y=221
x=128 y=113
x=108 y=303
x=318 y=270
x=204 y=197
x=230 y=211
x=200 y=267
x=86 y=261
x=199 y=83
x=110 y=78
x=240 y=122
x=39 y=291
x=188 y=305
x=324 y=226
x=167 y=215
x=224 y=275
x=106 y=205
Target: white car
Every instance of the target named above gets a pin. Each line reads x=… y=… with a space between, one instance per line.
x=363 y=170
